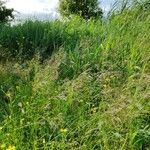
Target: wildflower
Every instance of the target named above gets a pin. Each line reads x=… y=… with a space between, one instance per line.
x=11 y=147
x=107 y=80
x=64 y=130
x=94 y=110
x=2 y=146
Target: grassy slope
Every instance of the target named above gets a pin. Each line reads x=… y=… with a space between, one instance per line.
x=92 y=93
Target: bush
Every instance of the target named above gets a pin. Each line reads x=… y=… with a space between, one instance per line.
x=85 y=9
x=5 y=13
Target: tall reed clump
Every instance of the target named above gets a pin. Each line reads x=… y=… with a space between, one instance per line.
x=23 y=41
x=92 y=93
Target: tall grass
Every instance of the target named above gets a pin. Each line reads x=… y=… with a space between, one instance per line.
x=32 y=37
x=91 y=90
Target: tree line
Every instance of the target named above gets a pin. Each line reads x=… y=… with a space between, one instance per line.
x=85 y=8
x=6 y=14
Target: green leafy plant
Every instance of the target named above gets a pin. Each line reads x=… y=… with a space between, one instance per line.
x=85 y=8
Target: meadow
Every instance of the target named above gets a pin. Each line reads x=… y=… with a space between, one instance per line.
x=76 y=84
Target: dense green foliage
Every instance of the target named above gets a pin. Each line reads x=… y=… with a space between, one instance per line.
x=24 y=40
x=5 y=13
x=85 y=8
x=92 y=93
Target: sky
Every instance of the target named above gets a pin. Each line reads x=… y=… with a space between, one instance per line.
x=44 y=6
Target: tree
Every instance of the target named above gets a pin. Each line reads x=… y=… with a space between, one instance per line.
x=6 y=14
x=85 y=8
x=142 y=5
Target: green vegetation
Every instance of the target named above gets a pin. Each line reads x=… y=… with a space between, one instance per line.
x=79 y=85
x=85 y=8
x=5 y=13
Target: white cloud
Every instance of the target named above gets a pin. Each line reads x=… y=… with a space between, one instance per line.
x=44 y=6
x=33 y=6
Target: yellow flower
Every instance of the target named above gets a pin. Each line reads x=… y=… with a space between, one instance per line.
x=94 y=110
x=63 y=130
x=11 y=147
x=2 y=146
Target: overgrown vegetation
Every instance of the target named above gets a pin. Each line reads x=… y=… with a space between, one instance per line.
x=76 y=84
